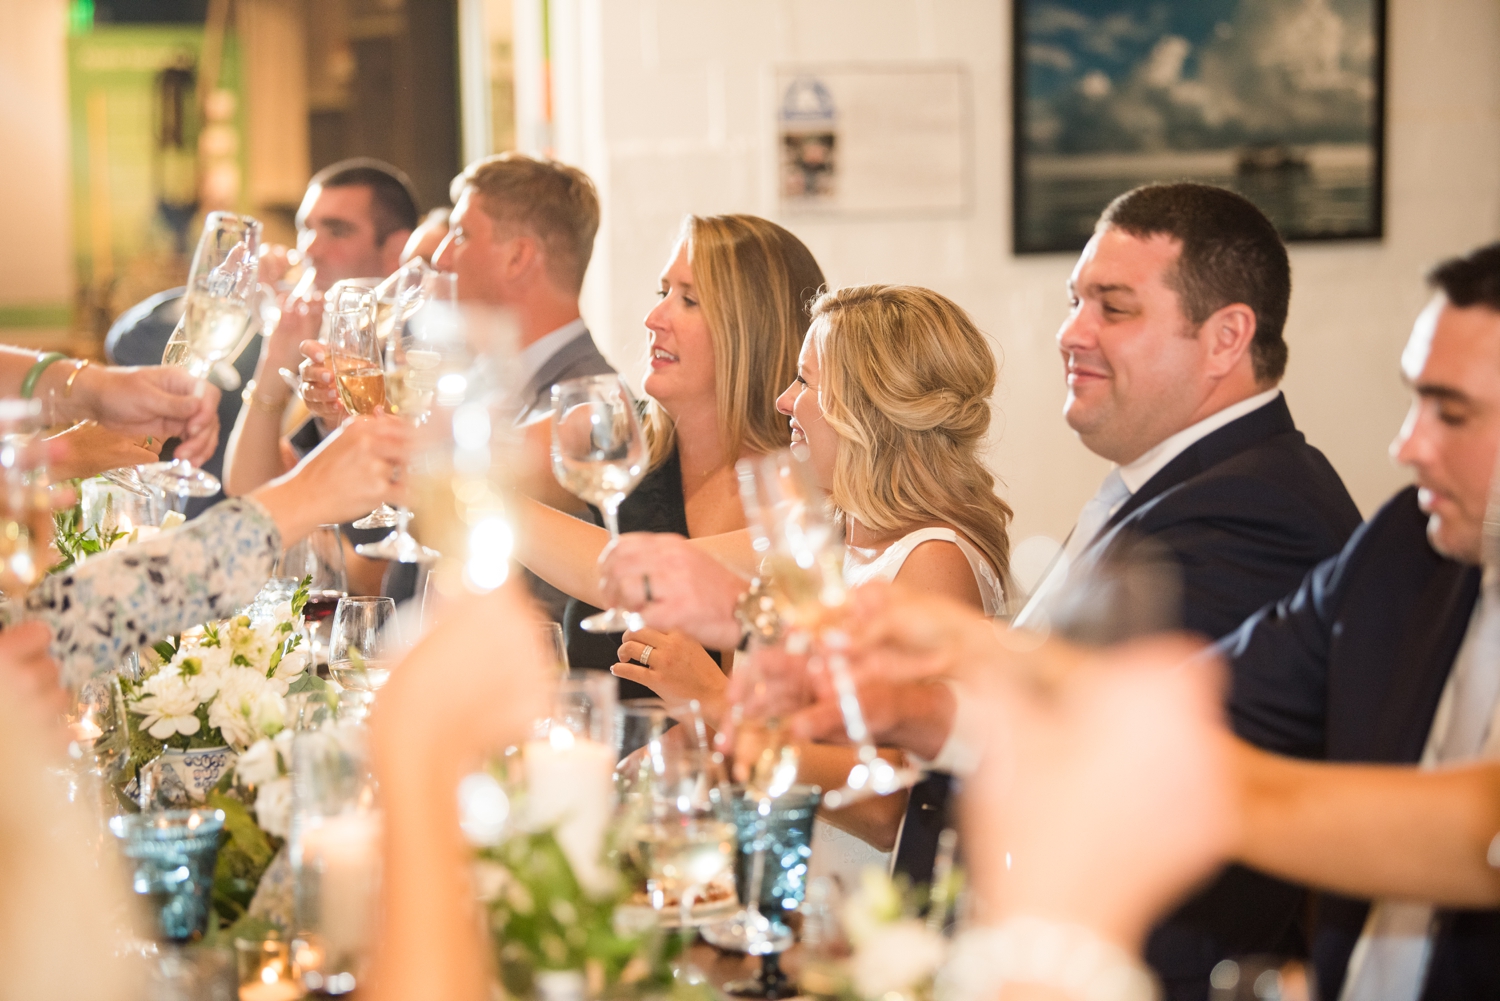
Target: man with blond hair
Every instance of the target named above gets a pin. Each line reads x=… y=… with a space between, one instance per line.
x=522 y=234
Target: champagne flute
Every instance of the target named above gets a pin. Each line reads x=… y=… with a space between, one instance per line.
x=355 y=348
x=396 y=299
x=790 y=522
x=220 y=302
x=599 y=455
x=412 y=368
x=363 y=643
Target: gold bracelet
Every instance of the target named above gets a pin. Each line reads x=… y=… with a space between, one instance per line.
x=260 y=403
x=78 y=366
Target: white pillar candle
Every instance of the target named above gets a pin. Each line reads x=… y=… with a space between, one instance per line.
x=345 y=853
x=570 y=787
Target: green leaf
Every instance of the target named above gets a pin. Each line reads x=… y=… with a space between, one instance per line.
x=165 y=649
x=210 y=634
x=308 y=682
x=299 y=599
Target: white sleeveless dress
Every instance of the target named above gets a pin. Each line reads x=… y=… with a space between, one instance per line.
x=835 y=853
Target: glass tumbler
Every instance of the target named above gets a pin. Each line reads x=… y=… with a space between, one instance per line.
x=174 y=853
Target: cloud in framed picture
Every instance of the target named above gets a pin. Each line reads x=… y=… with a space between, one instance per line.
x=1281 y=100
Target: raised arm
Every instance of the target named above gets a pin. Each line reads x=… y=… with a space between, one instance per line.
x=131 y=597
x=253 y=456
x=1371 y=830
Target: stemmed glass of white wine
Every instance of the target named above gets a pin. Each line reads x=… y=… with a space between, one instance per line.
x=222 y=287
x=411 y=366
x=790 y=522
x=25 y=503
x=599 y=455
x=354 y=348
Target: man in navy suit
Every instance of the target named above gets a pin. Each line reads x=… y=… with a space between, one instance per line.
x=1172 y=351
x=1376 y=657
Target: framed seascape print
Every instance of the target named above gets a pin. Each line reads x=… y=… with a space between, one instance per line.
x=1281 y=100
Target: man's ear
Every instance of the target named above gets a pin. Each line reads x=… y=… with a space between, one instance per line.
x=521 y=255
x=1227 y=335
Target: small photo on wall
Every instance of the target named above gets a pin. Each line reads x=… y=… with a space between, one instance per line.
x=1280 y=100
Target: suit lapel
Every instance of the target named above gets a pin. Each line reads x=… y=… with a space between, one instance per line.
x=1259 y=425
x=538 y=392
x=1399 y=731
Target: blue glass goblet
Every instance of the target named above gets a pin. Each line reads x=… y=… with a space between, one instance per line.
x=174 y=852
x=771 y=877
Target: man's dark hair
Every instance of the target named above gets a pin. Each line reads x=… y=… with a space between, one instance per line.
x=393 y=200
x=1470 y=280
x=1230 y=253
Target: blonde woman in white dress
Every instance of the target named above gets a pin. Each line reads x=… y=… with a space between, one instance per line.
x=891 y=406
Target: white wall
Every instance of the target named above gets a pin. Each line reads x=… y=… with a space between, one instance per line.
x=36 y=266
x=667 y=103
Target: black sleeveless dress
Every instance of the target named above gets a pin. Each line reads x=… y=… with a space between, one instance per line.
x=655 y=505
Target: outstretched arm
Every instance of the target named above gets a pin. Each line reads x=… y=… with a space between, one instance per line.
x=1371 y=830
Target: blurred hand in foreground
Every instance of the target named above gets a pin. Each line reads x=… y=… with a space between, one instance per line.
x=320 y=391
x=1104 y=796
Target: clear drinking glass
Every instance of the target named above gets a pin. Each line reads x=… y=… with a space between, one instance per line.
x=354 y=348
x=320 y=557
x=682 y=835
x=790 y=522
x=221 y=291
x=412 y=369
x=363 y=643
x=599 y=455
x=222 y=288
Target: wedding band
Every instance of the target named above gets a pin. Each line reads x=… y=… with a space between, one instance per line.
x=645 y=657
x=646 y=584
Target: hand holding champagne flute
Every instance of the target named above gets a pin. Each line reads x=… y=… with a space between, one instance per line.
x=355 y=347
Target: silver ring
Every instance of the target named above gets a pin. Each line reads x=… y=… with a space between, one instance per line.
x=646 y=584
x=645 y=657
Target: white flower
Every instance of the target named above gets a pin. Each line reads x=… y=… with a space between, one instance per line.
x=896 y=957
x=292 y=664
x=282 y=612
x=273 y=807
x=169 y=704
x=260 y=764
x=246 y=708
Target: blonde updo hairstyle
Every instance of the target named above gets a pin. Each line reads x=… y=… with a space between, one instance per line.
x=905 y=380
x=753 y=280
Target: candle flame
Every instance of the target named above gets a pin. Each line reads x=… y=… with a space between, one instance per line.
x=268 y=975
x=560 y=737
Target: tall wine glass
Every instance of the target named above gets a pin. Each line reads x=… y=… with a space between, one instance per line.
x=397 y=297
x=790 y=521
x=412 y=368
x=355 y=349
x=363 y=643
x=216 y=325
x=319 y=557
x=599 y=455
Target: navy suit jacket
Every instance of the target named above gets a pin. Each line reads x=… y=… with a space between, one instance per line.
x=1350 y=667
x=1243 y=513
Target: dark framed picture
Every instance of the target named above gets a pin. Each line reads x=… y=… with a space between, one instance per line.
x=1281 y=100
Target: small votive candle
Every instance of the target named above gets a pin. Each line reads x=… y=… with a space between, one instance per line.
x=265 y=970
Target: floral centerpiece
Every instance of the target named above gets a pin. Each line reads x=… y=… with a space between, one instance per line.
x=209 y=721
